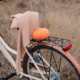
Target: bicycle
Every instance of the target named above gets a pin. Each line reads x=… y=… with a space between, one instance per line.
x=45 y=60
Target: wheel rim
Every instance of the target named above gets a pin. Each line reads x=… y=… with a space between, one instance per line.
x=63 y=69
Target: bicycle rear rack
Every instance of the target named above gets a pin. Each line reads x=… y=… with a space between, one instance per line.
x=61 y=42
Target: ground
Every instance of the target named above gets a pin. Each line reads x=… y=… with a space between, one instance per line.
x=62 y=18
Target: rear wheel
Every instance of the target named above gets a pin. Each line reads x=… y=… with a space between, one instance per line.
x=63 y=67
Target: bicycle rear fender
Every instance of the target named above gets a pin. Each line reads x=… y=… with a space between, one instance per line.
x=69 y=57
x=63 y=52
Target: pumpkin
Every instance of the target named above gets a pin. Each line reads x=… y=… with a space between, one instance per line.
x=41 y=34
x=11 y=19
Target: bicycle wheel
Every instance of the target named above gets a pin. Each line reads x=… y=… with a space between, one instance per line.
x=63 y=67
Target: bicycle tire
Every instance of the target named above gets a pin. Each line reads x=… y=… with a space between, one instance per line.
x=44 y=47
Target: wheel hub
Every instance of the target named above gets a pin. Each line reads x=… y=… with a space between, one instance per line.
x=54 y=76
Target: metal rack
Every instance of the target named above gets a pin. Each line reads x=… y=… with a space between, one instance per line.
x=61 y=42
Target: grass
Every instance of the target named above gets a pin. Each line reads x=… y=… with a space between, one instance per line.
x=2 y=20
x=61 y=17
x=21 y=3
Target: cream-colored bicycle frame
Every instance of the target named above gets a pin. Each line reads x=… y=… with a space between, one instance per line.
x=5 y=49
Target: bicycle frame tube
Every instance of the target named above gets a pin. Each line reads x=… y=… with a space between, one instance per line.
x=4 y=48
x=7 y=47
x=7 y=55
x=10 y=59
x=35 y=64
x=29 y=76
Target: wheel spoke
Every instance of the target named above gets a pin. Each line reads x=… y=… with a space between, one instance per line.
x=50 y=64
x=43 y=63
x=55 y=62
x=65 y=70
x=59 y=64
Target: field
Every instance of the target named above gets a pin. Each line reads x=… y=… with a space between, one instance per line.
x=62 y=18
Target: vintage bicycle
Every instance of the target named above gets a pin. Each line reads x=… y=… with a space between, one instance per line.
x=46 y=59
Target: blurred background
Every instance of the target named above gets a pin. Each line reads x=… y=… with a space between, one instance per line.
x=61 y=17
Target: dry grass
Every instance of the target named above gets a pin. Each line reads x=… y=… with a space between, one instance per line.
x=21 y=3
x=61 y=17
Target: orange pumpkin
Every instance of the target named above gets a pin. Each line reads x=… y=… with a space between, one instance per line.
x=11 y=19
x=40 y=34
